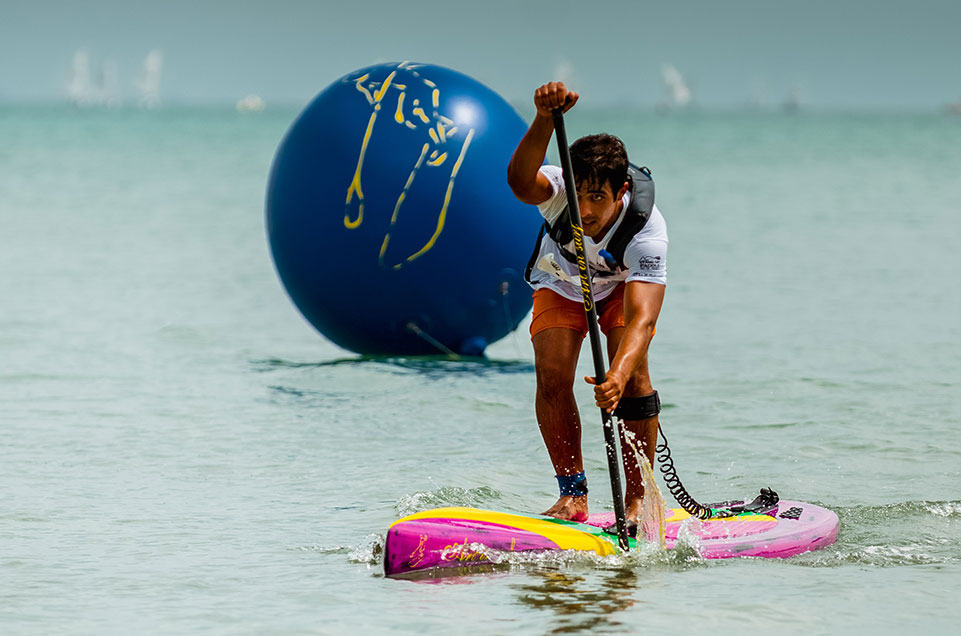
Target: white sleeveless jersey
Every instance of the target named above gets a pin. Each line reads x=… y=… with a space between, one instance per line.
x=645 y=256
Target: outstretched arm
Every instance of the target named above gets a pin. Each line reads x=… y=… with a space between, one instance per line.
x=523 y=172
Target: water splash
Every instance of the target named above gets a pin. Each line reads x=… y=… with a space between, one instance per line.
x=446 y=496
x=370 y=552
x=653 y=508
x=943 y=509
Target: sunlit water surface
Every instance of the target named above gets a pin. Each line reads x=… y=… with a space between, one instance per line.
x=181 y=453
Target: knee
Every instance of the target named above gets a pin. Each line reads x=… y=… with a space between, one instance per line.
x=554 y=379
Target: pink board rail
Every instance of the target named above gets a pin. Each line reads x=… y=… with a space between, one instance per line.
x=435 y=540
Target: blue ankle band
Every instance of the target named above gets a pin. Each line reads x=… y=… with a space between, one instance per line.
x=572 y=485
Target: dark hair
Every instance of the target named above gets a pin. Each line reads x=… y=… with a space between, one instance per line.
x=599 y=159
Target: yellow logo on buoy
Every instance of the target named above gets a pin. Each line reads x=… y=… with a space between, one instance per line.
x=440 y=132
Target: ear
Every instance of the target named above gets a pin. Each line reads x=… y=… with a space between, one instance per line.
x=623 y=191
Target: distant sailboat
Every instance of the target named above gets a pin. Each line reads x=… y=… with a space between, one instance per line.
x=792 y=103
x=148 y=83
x=78 y=83
x=250 y=104
x=678 y=93
x=564 y=72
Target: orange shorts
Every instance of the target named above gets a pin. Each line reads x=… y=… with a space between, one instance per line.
x=553 y=310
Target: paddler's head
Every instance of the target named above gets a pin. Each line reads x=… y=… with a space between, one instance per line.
x=600 y=171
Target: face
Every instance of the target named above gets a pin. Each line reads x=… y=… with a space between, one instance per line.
x=599 y=207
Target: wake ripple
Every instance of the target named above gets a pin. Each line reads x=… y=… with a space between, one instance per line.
x=908 y=533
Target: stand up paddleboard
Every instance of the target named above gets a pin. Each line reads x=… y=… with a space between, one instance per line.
x=462 y=537
x=433 y=540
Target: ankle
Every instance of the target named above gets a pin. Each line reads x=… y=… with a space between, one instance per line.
x=572 y=485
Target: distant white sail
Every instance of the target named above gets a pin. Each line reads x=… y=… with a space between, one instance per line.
x=564 y=72
x=679 y=95
x=148 y=84
x=250 y=104
x=78 y=84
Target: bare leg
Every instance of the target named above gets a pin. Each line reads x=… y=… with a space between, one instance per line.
x=555 y=357
x=645 y=438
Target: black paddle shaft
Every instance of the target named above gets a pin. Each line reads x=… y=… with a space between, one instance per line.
x=600 y=374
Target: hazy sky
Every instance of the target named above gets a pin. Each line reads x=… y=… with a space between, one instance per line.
x=887 y=54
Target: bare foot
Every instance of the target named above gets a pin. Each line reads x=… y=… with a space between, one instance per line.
x=569 y=508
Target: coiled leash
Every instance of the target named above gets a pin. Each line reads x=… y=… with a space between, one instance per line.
x=648 y=406
x=762 y=504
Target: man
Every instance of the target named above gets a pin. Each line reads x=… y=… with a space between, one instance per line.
x=626 y=246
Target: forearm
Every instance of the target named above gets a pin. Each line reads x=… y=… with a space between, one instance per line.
x=528 y=158
x=633 y=347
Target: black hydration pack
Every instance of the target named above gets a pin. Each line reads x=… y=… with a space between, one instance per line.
x=638 y=212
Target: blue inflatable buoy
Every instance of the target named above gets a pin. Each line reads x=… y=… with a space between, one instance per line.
x=389 y=216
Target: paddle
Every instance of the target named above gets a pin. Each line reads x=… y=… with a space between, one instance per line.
x=600 y=375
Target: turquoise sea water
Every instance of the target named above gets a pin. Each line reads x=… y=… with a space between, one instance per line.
x=181 y=453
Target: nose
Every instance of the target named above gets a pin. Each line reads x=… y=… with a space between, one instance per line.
x=587 y=210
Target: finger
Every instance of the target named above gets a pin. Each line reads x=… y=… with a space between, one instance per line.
x=557 y=94
x=604 y=389
x=607 y=397
x=603 y=392
x=590 y=380
x=543 y=96
x=607 y=405
x=606 y=401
